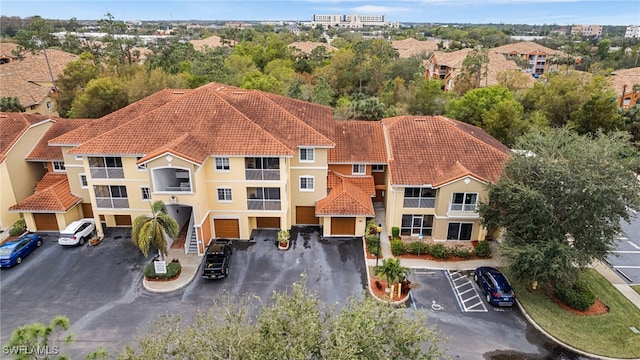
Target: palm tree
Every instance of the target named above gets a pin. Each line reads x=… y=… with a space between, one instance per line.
x=391 y=270
x=148 y=231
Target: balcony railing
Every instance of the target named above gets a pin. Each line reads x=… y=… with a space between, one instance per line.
x=419 y=202
x=107 y=173
x=183 y=187
x=261 y=204
x=260 y=174
x=463 y=207
x=112 y=203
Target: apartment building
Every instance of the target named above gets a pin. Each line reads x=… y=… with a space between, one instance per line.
x=227 y=161
x=538 y=57
x=351 y=21
x=633 y=31
x=587 y=30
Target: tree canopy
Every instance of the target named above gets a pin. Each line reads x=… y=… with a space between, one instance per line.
x=561 y=200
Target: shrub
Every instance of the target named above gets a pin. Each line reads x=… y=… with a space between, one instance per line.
x=173 y=269
x=372 y=227
x=372 y=244
x=461 y=252
x=378 y=285
x=439 y=251
x=482 y=249
x=18 y=227
x=397 y=247
x=578 y=296
x=395 y=232
x=417 y=247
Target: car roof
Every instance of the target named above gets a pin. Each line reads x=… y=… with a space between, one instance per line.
x=10 y=244
x=74 y=225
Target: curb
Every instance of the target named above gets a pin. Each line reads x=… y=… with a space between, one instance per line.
x=149 y=288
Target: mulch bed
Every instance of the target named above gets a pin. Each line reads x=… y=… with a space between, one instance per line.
x=597 y=308
x=380 y=293
x=431 y=257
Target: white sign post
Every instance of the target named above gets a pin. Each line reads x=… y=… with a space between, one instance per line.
x=160 y=267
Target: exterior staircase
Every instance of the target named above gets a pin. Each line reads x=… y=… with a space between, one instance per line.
x=193 y=242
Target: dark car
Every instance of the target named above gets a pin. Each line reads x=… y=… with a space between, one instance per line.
x=496 y=287
x=14 y=251
x=216 y=260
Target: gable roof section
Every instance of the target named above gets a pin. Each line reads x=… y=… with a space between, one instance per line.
x=212 y=119
x=42 y=151
x=410 y=46
x=524 y=47
x=52 y=194
x=497 y=64
x=358 y=142
x=211 y=42
x=345 y=199
x=13 y=126
x=624 y=79
x=308 y=46
x=365 y=183
x=434 y=150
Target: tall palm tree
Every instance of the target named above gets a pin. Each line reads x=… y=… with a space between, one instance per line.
x=150 y=230
x=391 y=270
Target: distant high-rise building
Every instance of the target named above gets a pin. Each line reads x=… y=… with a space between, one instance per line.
x=587 y=30
x=351 y=21
x=633 y=31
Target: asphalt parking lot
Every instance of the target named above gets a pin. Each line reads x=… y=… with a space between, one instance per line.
x=625 y=260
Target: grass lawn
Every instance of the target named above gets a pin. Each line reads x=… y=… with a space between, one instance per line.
x=636 y=288
x=606 y=334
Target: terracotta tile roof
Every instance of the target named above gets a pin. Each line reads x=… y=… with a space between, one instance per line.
x=410 y=46
x=29 y=79
x=42 y=151
x=212 y=119
x=625 y=77
x=346 y=198
x=13 y=126
x=52 y=195
x=435 y=150
x=365 y=183
x=358 y=142
x=211 y=42
x=525 y=47
x=308 y=46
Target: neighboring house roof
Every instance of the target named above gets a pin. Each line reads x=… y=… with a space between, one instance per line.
x=42 y=151
x=524 y=47
x=29 y=79
x=346 y=198
x=210 y=42
x=623 y=80
x=434 y=150
x=364 y=182
x=497 y=64
x=358 y=142
x=308 y=46
x=52 y=194
x=212 y=119
x=410 y=46
x=13 y=126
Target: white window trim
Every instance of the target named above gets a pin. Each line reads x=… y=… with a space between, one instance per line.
x=364 y=172
x=313 y=182
x=86 y=179
x=218 y=194
x=141 y=193
x=53 y=164
x=215 y=164
x=141 y=167
x=313 y=155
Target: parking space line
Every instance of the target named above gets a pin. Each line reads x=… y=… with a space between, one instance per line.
x=466 y=291
x=458 y=281
x=625 y=251
x=627 y=267
x=633 y=244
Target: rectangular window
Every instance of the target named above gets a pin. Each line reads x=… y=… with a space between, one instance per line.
x=111 y=196
x=377 y=168
x=419 y=198
x=459 y=231
x=359 y=169
x=106 y=167
x=224 y=194
x=58 y=166
x=141 y=167
x=222 y=164
x=306 y=183
x=464 y=201
x=83 y=181
x=414 y=225
x=306 y=154
x=145 y=193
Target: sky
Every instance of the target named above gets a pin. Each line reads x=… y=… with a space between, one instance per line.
x=559 y=12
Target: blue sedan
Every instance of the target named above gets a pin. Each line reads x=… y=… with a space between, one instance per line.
x=497 y=289
x=14 y=251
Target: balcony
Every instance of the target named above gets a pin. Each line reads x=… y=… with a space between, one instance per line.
x=112 y=203
x=463 y=210
x=259 y=174
x=171 y=180
x=419 y=202
x=106 y=173
x=262 y=168
x=262 y=204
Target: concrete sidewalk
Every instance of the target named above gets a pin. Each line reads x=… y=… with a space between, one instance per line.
x=190 y=265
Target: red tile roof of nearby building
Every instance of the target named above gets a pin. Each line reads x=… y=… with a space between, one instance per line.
x=308 y=46
x=622 y=80
x=42 y=151
x=434 y=150
x=13 y=126
x=52 y=195
x=523 y=48
x=212 y=119
x=364 y=182
x=345 y=198
x=410 y=47
x=358 y=142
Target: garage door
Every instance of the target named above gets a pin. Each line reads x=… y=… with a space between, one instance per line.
x=268 y=222
x=227 y=228
x=46 y=222
x=87 y=210
x=343 y=226
x=122 y=220
x=306 y=215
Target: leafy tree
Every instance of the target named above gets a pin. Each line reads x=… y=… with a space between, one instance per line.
x=391 y=270
x=292 y=325
x=475 y=67
x=370 y=109
x=561 y=201
x=75 y=77
x=472 y=106
x=143 y=83
x=322 y=93
x=117 y=49
x=631 y=119
x=265 y=82
x=150 y=231
x=599 y=112
x=505 y=122
x=101 y=96
x=429 y=98
x=10 y=104
x=515 y=81
x=236 y=67
x=339 y=73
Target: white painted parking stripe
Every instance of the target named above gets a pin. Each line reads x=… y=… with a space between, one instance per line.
x=623 y=238
x=626 y=266
x=626 y=251
x=633 y=244
x=457 y=281
x=466 y=291
x=474 y=297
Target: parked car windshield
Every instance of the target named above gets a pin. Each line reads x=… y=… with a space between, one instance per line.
x=5 y=251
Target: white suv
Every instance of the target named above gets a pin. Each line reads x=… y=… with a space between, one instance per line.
x=78 y=232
